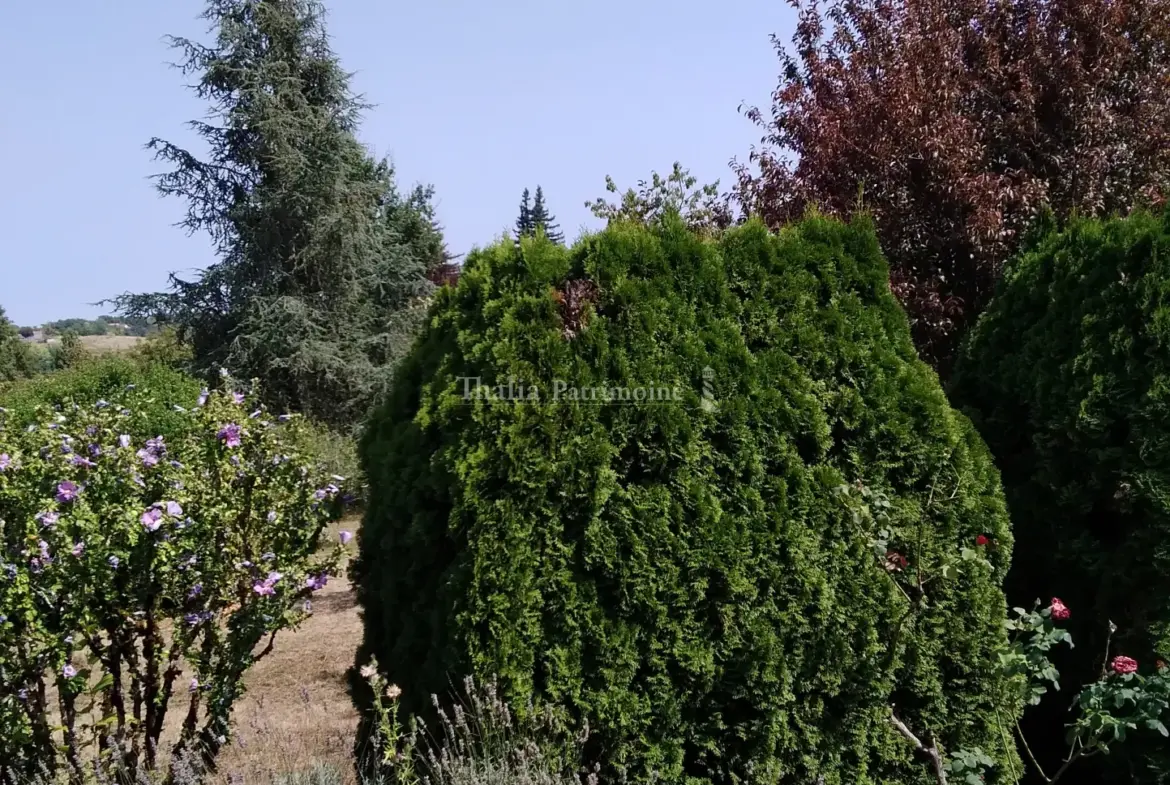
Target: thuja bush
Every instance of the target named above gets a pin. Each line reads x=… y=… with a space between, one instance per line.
x=141 y=577
x=1067 y=376
x=610 y=477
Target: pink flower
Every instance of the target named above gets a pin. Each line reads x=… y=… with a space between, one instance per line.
x=1123 y=665
x=1060 y=611
x=981 y=540
x=230 y=435
x=152 y=519
x=264 y=589
x=896 y=561
x=66 y=491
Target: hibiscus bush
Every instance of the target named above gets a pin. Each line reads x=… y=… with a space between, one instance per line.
x=137 y=574
x=149 y=389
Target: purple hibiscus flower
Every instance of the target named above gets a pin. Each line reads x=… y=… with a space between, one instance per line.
x=345 y=537
x=67 y=491
x=5 y=461
x=316 y=582
x=174 y=510
x=78 y=548
x=230 y=435
x=79 y=460
x=152 y=519
x=48 y=518
x=148 y=457
x=124 y=441
x=237 y=398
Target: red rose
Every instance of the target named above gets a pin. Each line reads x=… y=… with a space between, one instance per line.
x=895 y=561
x=1123 y=665
x=1060 y=611
x=981 y=540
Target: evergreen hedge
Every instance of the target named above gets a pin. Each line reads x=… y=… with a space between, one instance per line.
x=159 y=390
x=686 y=578
x=1067 y=374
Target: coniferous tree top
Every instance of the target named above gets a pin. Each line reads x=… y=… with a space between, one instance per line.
x=524 y=226
x=320 y=257
x=541 y=217
x=534 y=216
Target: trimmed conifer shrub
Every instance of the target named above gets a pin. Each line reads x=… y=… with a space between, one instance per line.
x=1068 y=376
x=677 y=567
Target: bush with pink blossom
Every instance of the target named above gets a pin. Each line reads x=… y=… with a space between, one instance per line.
x=137 y=575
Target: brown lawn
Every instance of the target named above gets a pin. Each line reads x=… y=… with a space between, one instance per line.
x=297 y=711
x=110 y=343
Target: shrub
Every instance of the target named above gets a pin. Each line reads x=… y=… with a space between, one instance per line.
x=157 y=391
x=335 y=454
x=1067 y=376
x=135 y=573
x=16 y=361
x=69 y=353
x=683 y=576
x=164 y=348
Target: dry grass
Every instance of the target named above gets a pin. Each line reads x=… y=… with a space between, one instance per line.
x=297 y=711
x=101 y=344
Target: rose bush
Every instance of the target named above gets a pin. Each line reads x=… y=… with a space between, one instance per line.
x=133 y=573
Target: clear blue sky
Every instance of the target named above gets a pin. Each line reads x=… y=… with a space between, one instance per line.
x=478 y=98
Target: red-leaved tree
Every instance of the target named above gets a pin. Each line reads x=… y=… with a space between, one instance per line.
x=953 y=121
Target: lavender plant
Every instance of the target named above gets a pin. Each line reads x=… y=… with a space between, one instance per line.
x=138 y=576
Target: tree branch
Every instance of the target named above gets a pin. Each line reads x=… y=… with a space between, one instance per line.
x=931 y=753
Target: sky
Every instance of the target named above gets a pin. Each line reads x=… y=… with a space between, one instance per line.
x=479 y=99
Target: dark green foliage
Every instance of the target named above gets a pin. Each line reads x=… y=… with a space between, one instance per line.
x=16 y=361
x=524 y=227
x=322 y=261
x=687 y=578
x=535 y=217
x=543 y=219
x=108 y=377
x=1068 y=376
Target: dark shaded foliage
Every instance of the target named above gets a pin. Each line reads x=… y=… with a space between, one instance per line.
x=1067 y=374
